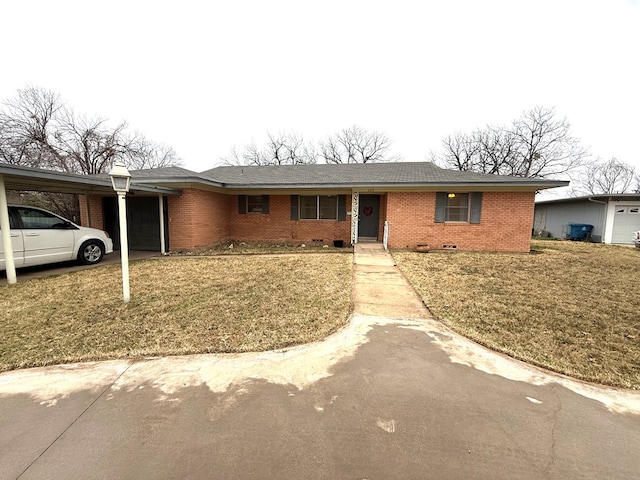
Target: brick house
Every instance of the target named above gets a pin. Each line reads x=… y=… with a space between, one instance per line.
x=419 y=202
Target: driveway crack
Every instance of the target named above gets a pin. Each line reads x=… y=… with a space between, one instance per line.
x=554 y=428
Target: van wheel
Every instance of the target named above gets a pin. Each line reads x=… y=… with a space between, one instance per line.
x=91 y=252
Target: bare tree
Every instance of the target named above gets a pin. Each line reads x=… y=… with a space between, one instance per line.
x=37 y=129
x=284 y=148
x=357 y=145
x=535 y=145
x=612 y=176
x=544 y=145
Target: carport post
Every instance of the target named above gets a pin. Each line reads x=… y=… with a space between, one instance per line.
x=9 y=263
x=163 y=248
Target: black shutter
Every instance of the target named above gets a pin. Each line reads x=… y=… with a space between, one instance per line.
x=342 y=207
x=294 y=207
x=242 y=204
x=476 y=207
x=265 y=203
x=441 y=207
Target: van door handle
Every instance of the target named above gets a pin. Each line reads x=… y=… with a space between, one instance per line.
x=32 y=234
x=15 y=235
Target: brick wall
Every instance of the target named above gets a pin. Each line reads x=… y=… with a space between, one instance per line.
x=506 y=222
x=277 y=226
x=95 y=212
x=198 y=218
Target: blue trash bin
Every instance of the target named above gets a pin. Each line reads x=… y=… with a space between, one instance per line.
x=579 y=231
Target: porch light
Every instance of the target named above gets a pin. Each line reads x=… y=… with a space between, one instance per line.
x=452 y=195
x=120 y=180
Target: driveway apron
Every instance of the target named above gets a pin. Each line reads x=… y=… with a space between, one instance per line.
x=392 y=395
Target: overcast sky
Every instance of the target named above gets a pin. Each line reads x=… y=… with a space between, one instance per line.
x=205 y=76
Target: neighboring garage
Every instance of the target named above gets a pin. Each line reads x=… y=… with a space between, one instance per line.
x=614 y=217
x=626 y=219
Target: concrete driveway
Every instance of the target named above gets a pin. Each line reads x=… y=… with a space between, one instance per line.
x=387 y=397
x=41 y=271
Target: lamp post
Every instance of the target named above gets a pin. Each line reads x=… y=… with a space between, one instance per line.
x=121 y=179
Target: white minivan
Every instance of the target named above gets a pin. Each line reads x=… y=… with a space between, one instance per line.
x=40 y=237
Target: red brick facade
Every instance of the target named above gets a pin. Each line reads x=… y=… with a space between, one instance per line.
x=278 y=226
x=199 y=218
x=95 y=217
x=505 y=225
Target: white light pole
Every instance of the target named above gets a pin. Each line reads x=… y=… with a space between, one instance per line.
x=120 y=179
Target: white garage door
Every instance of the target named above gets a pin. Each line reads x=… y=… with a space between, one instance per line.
x=627 y=220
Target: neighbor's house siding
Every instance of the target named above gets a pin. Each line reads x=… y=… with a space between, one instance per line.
x=505 y=224
x=277 y=226
x=198 y=218
x=554 y=218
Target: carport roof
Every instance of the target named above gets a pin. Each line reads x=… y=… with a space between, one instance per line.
x=18 y=177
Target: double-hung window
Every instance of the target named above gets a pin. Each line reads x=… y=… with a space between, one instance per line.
x=253 y=204
x=318 y=207
x=458 y=207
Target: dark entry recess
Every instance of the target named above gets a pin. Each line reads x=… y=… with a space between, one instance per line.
x=143 y=222
x=369 y=216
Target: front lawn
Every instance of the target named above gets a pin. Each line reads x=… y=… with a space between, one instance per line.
x=571 y=307
x=178 y=306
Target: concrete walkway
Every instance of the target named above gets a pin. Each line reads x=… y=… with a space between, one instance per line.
x=392 y=395
x=380 y=289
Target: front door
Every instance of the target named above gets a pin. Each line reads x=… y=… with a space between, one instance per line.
x=369 y=216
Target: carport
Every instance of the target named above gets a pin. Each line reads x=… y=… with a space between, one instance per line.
x=17 y=177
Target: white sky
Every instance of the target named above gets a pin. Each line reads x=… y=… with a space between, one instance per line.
x=204 y=76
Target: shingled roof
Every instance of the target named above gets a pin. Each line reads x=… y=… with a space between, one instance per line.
x=400 y=174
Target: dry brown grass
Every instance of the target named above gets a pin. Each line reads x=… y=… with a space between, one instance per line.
x=262 y=248
x=570 y=307
x=178 y=306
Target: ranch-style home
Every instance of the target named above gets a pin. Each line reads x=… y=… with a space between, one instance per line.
x=419 y=203
x=414 y=203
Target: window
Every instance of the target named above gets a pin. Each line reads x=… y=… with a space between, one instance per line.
x=328 y=207
x=253 y=204
x=458 y=207
x=621 y=210
x=634 y=210
x=318 y=207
